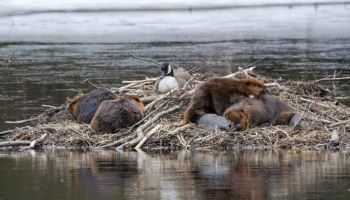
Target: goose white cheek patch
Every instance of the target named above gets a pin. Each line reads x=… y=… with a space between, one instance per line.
x=169 y=69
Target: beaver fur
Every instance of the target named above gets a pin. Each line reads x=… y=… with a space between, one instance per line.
x=115 y=114
x=84 y=107
x=215 y=95
x=269 y=109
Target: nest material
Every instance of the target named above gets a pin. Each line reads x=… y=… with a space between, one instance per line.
x=321 y=115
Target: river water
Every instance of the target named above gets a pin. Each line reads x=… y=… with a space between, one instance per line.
x=47 y=50
x=59 y=174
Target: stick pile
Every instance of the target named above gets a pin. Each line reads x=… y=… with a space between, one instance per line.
x=162 y=127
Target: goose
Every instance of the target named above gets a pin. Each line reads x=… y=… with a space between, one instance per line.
x=171 y=78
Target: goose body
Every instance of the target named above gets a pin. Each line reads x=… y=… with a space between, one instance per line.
x=171 y=79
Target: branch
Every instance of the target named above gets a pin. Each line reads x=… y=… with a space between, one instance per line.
x=246 y=71
x=35 y=142
x=14 y=143
x=90 y=83
x=150 y=105
x=339 y=123
x=332 y=79
x=8 y=132
x=139 y=130
x=21 y=121
x=146 y=137
x=180 y=129
x=146 y=59
x=120 y=141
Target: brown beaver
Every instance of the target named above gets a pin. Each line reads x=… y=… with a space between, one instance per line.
x=268 y=109
x=215 y=95
x=115 y=114
x=84 y=107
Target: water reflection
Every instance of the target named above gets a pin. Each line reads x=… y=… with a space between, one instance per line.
x=59 y=174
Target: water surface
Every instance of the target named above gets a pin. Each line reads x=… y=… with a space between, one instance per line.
x=63 y=174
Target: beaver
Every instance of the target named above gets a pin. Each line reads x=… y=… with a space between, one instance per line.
x=84 y=107
x=268 y=109
x=215 y=95
x=115 y=114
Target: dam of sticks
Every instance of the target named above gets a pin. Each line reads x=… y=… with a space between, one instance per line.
x=325 y=122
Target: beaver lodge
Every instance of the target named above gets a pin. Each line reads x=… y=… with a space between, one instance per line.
x=325 y=122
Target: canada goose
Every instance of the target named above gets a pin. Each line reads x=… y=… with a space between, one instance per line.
x=171 y=78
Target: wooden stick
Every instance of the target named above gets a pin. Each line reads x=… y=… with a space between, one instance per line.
x=246 y=71
x=149 y=99
x=339 y=123
x=255 y=62
x=48 y=106
x=3 y=133
x=90 y=83
x=314 y=101
x=332 y=79
x=147 y=80
x=120 y=141
x=180 y=129
x=21 y=121
x=146 y=59
x=150 y=105
x=35 y=142
x=15 y=143
x=147 y=136
x=139 y=130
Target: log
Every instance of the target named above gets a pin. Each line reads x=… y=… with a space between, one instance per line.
x=15 y=143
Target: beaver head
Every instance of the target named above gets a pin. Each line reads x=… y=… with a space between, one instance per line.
x=252 y=86
x=136 y=100
x=238 y=115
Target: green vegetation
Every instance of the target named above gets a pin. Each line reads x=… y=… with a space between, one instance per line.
x=4 y=44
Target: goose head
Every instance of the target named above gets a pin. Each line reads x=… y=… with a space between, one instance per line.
x=166 y=70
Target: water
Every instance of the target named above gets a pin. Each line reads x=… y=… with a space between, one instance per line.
x=236 y=175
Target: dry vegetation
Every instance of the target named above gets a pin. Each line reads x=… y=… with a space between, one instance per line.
x=162 y=127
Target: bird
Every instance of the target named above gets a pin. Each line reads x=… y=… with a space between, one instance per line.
x=171 y=78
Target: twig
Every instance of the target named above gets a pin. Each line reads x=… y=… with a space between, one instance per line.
x=146 y=117
x=35 y=142
x=180 y=129
x=3 y=133
x=15 y=143
x=147 y=136
x=120 y=141
x=147 y=80
x=246 y=71
x=21 y=121
x=339 y=123
x=139 y=130
x=254 y=63
x=146 y=59
x=150 y=105
x=48 y=106
x=90 y=83
x=149 y=99
x=332 y=79
x=310 y=101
